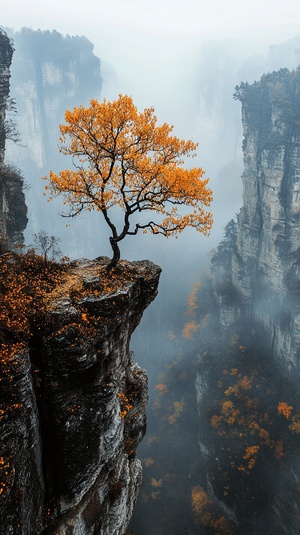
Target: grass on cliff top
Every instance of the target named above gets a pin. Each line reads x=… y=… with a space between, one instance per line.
x=29 y=287
x=91 y=278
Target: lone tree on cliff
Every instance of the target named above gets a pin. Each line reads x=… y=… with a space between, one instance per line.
x=123 y=158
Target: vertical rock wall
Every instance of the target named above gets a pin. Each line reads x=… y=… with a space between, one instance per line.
x=6 y=52
x=256 y=284
x=50 y=74
x=265 y=260
x=13 y=209
x=77 y=410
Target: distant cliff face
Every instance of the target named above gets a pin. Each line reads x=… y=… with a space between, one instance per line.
x=252 y=355
x=6 y=52
x=49 y=75
x=78 y=403
x=265 y=261
x=13 y=210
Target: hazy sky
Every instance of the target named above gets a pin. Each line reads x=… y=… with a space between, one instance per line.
x=169 y=16
x=150 y=49
x=153 y=36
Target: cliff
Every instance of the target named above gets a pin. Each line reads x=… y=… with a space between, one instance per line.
x=6 y=52
x=50 y=74
x=246 y=383
x=264 y=267
x=13 y=210
x=73 y=406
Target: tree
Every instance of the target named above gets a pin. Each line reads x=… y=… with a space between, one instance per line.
x=47 y=245
x=123 y=158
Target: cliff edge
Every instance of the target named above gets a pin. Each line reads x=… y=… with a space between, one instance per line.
x=73 y=406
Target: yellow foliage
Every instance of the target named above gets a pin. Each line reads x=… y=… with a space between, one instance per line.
x=251 y=451
x=284 y=409
x=156 y=483
x=279 y=450
x=148 y=461
x=215 y=420
x=227 y=408
x=192 y=300
x=189 y=329
x=245 y=383
x=126 y=405
x=162 y=388
x=295 y=425
x=251 y=421
x=207 y=514
x=179 y=407
x=123 y=158
x=200 y=499
x=152 y=439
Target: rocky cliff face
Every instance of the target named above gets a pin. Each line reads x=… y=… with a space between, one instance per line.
x=75 y=409
x=253 y=360
x=6 y=52
x=265 y=260
x=13 y=210
x=50 y=74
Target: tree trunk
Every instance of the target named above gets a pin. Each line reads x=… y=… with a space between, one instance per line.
x=116 y=254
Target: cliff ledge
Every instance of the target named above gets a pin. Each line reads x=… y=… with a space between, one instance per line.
x=77 y=407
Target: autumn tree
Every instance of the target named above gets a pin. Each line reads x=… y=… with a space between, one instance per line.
x=207 y=514
x=122 y=158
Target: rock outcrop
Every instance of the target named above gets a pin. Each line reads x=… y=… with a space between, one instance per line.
x=13 y=209
x=6 y=52
x=13 y=212
x=264 y=267
x=76 y=409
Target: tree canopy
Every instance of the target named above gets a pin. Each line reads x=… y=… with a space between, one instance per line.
x=123 y=158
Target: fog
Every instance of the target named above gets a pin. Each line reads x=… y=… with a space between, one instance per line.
x=183 y=58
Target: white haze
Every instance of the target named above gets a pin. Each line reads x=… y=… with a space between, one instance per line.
x=162 y=52
x=153 y=44
x=153 y=50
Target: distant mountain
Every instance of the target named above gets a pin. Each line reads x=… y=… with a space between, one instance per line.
x=50 y=74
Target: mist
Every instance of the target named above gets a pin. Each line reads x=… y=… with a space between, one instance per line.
x=185 y=61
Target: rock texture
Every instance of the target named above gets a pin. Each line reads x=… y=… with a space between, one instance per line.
x=50 y=74
x=13 y=210
x=6 y=52
x=78 y=410
x=264 y=268
x=255 y=275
